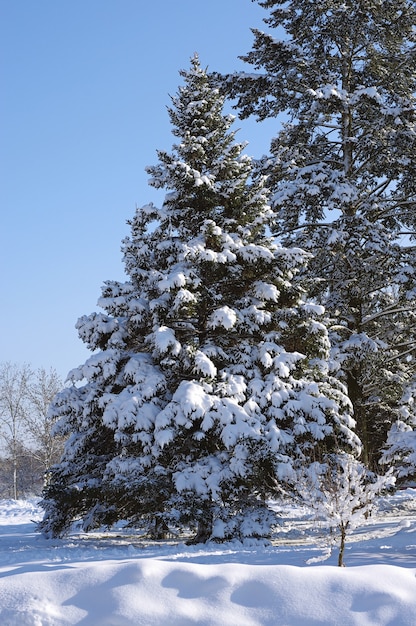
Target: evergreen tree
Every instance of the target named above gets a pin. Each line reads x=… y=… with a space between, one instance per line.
x=343 y=176
x=400 y=449
x=210 y=379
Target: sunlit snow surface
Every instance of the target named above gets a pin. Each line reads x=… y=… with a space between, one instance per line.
x=119 y=579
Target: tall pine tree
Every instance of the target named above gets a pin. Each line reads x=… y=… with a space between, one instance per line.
x=400 y=448
x=343 y=176
x=210 y=383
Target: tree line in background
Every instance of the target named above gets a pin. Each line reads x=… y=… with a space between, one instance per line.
x=264 y=342
x=28 y=447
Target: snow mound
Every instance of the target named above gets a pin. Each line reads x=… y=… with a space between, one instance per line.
x=119 y=579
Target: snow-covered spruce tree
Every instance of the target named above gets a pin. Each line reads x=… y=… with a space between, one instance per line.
x=400 y=448
x=210 y=381
x=343 y=176
x=75 y=487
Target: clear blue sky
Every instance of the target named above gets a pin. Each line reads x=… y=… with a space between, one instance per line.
x=84 y=89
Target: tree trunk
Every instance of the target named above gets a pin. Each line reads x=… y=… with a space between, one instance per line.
x=204 y=531
x=14 y=481
x=160 y=530
x=355 y=394
x=343 y=527
x=14 y=471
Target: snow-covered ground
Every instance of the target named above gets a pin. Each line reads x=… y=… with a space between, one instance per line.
x=118 y=579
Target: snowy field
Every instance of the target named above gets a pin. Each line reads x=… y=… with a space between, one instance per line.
x=118 y=579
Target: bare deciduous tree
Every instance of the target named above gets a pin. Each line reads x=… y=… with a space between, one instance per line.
x=341 y=491
x=14 y=382
x=26 y=428
x=46 y=447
